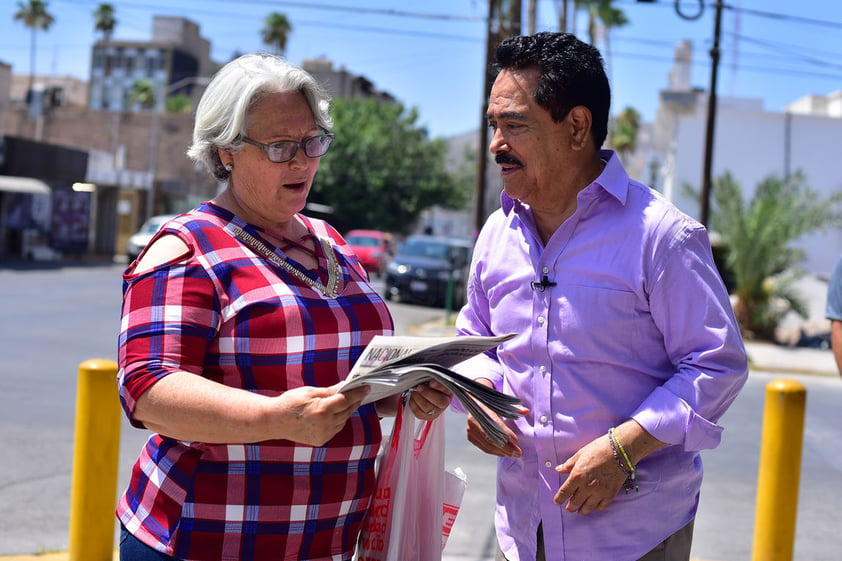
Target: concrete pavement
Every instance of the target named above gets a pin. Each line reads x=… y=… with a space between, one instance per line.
x=763 y=357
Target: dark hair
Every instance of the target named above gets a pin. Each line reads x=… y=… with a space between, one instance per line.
x=572 y=73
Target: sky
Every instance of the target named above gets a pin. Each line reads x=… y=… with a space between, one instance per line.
x=430 y=55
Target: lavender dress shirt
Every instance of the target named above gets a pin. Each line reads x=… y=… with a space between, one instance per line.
x=639 y=325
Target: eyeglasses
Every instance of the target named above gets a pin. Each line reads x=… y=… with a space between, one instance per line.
x=285 y=150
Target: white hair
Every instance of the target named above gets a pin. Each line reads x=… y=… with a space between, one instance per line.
x=233 y=91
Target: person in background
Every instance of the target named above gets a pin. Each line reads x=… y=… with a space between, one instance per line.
x=240 y=319
x=627 y=350
x=833 y=312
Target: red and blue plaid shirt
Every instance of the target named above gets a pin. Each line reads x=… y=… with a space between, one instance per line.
x=232 y=316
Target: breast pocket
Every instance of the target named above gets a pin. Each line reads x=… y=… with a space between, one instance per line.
x=600 y=322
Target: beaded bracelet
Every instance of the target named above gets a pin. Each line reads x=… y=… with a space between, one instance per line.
x=628 y=467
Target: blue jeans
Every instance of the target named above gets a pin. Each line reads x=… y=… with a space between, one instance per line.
x=132 y=549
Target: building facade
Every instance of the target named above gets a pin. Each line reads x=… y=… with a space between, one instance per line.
x=171 y=64
x=136 y=162
x=751 y=143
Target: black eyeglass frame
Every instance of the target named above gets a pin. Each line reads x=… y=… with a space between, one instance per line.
x=295 y=146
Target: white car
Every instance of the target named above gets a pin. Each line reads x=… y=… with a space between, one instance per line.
x=143 y=236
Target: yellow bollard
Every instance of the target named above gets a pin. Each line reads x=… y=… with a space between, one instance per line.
x=779 y=471
x=96 y=451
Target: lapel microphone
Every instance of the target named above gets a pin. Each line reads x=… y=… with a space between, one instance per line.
x=542 y=284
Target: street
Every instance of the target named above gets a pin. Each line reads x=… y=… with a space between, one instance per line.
x=54 y=319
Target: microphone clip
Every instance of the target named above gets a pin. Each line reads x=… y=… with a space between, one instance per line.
x=542 y=284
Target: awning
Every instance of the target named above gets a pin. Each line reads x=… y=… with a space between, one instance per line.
x=14 y=184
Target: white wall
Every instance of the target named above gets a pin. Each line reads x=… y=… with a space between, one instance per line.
x=752 y=144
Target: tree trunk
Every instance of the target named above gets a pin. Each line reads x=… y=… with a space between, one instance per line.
x=31 y=61
x=531 y=16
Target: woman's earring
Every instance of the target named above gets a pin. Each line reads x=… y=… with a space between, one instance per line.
x=229 y=167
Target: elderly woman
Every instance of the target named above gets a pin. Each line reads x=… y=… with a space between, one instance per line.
x=239 y=321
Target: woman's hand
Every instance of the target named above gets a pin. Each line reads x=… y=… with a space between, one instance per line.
x=315 y=415
x=429 y=400
x=189 y=407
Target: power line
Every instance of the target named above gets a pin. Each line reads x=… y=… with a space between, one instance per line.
x=792 y=18
x=305 y=5
x=786 y=49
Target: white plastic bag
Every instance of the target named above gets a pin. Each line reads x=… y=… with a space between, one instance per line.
x=415 y=501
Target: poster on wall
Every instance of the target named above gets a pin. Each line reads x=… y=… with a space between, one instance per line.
x=71 y=216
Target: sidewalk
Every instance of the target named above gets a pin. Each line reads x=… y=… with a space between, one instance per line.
x=763 y=356
x=768 y=357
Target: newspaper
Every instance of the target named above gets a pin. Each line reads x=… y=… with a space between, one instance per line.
x=392 y=365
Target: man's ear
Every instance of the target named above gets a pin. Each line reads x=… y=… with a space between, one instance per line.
x=579 y=119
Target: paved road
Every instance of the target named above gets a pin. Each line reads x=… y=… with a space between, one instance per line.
x=55 y=319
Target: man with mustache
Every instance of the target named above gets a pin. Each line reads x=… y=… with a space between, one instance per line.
x=627 y=352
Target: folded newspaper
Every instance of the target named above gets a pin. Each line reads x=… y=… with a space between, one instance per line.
x=391 y=365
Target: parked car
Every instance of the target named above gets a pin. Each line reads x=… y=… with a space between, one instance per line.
x=423 y=267
x=373 y=248
x=143 y=236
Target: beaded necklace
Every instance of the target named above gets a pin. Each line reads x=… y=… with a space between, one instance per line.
x=259 y=247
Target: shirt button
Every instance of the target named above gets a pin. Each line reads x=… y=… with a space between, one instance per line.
x=548 y=464
x=541 y=320
x=545 y=270
x=543 y=369
x=544 y=419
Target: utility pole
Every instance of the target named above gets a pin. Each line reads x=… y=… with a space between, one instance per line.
x=482 y=159
x=704 y=204
x=704 y=197
x=499 y=26
x=531 y=16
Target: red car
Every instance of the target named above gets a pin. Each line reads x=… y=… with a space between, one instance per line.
x=373 y=248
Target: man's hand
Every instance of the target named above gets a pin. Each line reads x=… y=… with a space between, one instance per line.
x=595 y=474
x=594 y=481
x=478 y=438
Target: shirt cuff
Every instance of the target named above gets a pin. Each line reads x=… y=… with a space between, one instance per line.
x=670 y=419
x=478 y=366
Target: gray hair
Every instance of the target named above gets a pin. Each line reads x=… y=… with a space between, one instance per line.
x=233 y=91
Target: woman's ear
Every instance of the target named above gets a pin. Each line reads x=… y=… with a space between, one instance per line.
x=225 y=157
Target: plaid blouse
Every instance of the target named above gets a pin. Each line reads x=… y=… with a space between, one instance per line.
x=232 y=316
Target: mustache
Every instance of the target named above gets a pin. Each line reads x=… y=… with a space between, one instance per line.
x=507 y=159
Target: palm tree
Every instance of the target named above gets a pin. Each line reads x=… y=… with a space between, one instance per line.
x=143 y=94
x=563 y=15
x=34 y=15
x=602 y=13
x=624 y=134
x=276 y=30
x=757 y=235
x=532 y=16
x=104 y=21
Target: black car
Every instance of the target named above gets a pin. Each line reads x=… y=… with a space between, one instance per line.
x=425 y=266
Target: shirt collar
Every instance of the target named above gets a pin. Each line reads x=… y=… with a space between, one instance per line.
x=613 y=179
